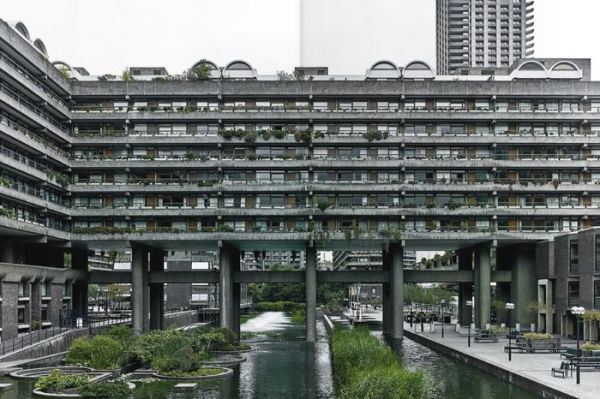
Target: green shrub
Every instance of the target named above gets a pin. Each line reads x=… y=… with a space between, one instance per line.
x=185 y=359
x=537 y=336
x=149 y=348
x=364 y=367
x=299 y=316
x=121 y=333
x=588 y=346
x=201 y=372
x=105 y=390
x=216 y=339
x=100 y=352
x=56 y=382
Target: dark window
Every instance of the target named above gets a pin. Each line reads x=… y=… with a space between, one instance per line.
x=597 y=264
x=597 y=294
x=573 y=257
x=574 y=294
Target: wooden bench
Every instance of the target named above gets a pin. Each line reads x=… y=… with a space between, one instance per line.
x=569 y=354
x=563 y=370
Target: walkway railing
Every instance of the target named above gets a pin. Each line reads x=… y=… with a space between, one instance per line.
x=23 y=341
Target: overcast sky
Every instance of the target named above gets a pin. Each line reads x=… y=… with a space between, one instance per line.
x=105 y=36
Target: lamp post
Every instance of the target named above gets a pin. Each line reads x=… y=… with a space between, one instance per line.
x=469 y=304
x=578 y=311
x=411 y=314
x=509 y=306
x=421 y=317
x=442 y=302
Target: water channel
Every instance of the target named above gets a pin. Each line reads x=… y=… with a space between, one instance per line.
x=283 y=366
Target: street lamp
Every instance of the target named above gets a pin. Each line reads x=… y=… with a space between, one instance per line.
x=469 y=304
x=421 y=317
x=442 y=302
x=578 y=311
x=412 y=305
x=509 y=306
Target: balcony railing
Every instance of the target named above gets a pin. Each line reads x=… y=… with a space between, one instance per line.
x=27 y=104
x=46 y=143
x=17 y=68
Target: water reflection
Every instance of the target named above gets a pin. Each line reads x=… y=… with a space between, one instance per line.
x=455 y=380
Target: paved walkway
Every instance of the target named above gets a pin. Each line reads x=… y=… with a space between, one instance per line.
x=535 y=366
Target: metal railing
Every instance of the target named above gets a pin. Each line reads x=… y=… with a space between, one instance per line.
x=33 y=337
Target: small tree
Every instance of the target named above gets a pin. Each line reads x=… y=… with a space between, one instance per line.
x=201 y=71
x=283 y=75
x=126 y=76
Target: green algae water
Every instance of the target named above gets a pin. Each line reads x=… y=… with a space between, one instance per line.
x=284 y=366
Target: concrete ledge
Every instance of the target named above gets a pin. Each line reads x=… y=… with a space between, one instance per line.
x=521 y=381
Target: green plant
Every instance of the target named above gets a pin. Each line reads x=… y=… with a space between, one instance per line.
x=250 y=137
x=4 y=182
x=299 y=316
x=65 y=72
x=57 y=382
x=201 y=372
x=304 y=136
x=199 y=72
x=370 y=136
x=126 y=76
x=117 y=390
x=101 y=352
x=279 y=134
x=36 y=325
x=9 y=213
x=588 y=346
x=364 y=367
x=215 y=339
x=323 y=205
x=536 y=336
x=266 y=134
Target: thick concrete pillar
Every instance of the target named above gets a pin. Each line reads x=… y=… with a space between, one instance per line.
x=311 y=294
x=157 y=292
x=483 y=274
x=10 y=294
x=236 y=293
x=36 y=301
x=139 y=280
x=386 y=297
x=56 y=291
x=79 y=261
x=393 y=318
x=465 y=290
x=524 y=286
x=225 y=286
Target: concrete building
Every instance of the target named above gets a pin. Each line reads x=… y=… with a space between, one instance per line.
x=568 y=273
x=395 y=160
x=482 y=33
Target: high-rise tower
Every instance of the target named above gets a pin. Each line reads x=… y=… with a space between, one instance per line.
x=482 y=33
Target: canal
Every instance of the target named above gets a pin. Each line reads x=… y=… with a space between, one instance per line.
x=282 y=365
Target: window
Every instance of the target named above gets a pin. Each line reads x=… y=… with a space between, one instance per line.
x=597 y=264
x=574 y=257
x=574 y=293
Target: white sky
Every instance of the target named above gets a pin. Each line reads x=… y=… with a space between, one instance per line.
x=105 y=36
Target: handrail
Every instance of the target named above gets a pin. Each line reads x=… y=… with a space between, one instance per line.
x=13 y=125
x=32 y=79
x=15 y=96
x=12 y=345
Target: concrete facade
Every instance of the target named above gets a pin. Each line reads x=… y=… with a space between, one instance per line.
x=393 y=161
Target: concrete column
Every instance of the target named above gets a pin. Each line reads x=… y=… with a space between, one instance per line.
x=236 y=293
x=397 y=273
x=311 y=294
x=482 y=286
x=157 y=292
x=393 y=320
x=10 y=293
x=56 y=291
x=386 y=297
x=79 y=297
x=524 y=285
x=549 y=309
x=225 y=286
x=36 y=301
x=139 y=276
x=465 y=290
